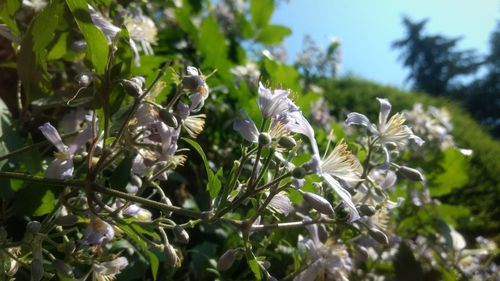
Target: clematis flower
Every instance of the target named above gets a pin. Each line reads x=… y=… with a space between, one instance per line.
x=106 y=271
x=62 y=167
x=195 y=82
x=342 y=164
x=272 y=102
x=388 y=131
x=142 y=32
x=329 y=261
x=97 y=232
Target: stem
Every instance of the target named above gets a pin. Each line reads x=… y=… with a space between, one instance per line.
x=266 y=166
x=251 y=182
x=290 y=225
x=147 y=202
x=42 y=180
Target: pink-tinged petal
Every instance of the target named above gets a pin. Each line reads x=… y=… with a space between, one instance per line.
x=197 y=102
x=310 y=273
x=385 y=109
x=344 y=195
x=281 y=203
x=246 y=128
x=81 y=139
x=53 y=136
x=298 y=124
x=355 y=118
x=313 y=232
x=60 y=169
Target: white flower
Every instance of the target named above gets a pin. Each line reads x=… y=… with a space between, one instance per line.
x=142 y=31
x=97 y=232
x=62 y=167
x=330 y=261
x=107 y=271
x=390 y=131
x=342 y=164
x=273 y=102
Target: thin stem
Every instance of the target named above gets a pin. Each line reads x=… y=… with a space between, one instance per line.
x=290 y=225
x=254 y=170
x=42 y=180
x=147 y=202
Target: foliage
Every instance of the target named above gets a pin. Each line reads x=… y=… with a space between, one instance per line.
x=165 y=140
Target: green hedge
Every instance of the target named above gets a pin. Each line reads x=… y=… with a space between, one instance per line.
x=482 y=193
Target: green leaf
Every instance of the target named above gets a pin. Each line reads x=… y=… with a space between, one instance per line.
x=214 y=183
x=8 y=10
x=97 y=45
x=261 y=11
x=60 y=47
x=254 y=265
x=273 y=34
x=452 y=214
x=9 y=136
x=212 y=44
x=454 y=176
x=154 y=263
x=47 y=205
x=32 y=59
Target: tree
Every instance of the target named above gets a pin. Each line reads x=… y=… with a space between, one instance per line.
x=433 y=60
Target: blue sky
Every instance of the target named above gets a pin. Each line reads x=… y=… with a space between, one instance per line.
x=366 y=29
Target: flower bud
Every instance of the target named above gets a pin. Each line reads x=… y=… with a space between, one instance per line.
x=168 y=118
x=171 y=257
x=227 y=259
x=299 y=173
x=410 y=173
x=132 y=88
x=33 y=227
x=68 y=220
x=361 y=252
x=287 y=142
x=264 y=139
x=83 y=80
x=192 y=83
x=367 y=210
x=378 y=235
x=181 y=234
x=322 y=233
x=319 y=203
x=168 y=202
x=136 y=180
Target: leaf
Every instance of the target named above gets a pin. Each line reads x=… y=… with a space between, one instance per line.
x=47 y=205
x=254 y=265
x=60 y=47
x=451 y=214
x=8 y=10
x=212 y=44
x=273 y=34
x=9 y=137
x=455 y=166
x=32 y=59
x=97 y=45
x=214 y=183
x=154 y=264
x=261 y=11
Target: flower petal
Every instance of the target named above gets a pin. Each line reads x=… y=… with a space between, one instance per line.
x=385 y=109
x=60 y=169
x=344 y=194
x=246 y=128
x=355 y=118
x=281 y=203
x=53 y=136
